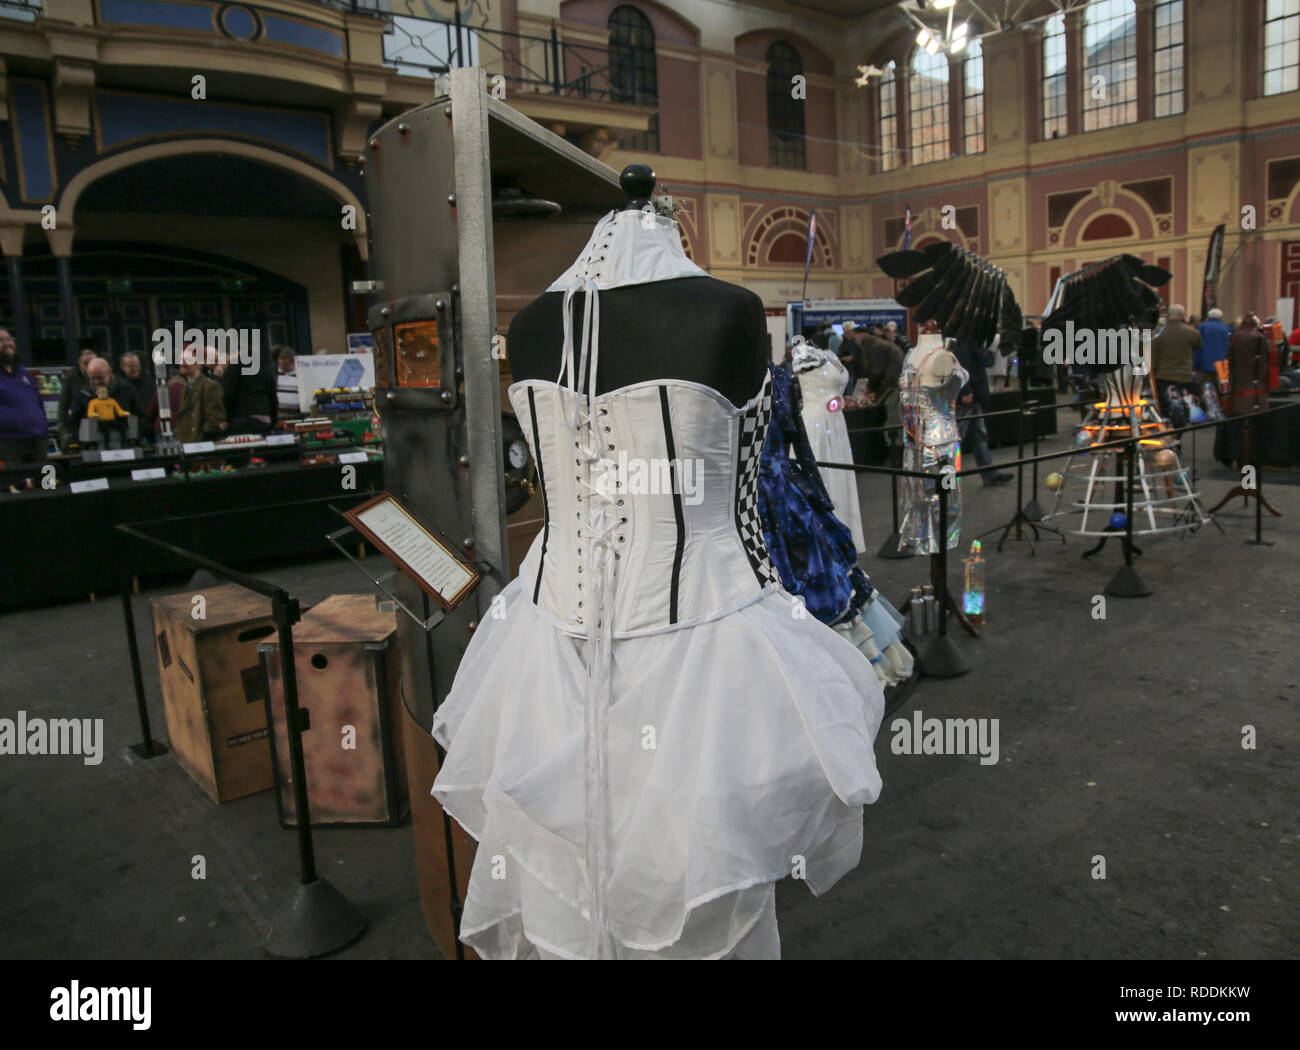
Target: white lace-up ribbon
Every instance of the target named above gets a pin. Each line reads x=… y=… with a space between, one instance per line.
x=598 y=483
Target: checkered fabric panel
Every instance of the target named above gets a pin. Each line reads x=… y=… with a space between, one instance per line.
x=753 y=432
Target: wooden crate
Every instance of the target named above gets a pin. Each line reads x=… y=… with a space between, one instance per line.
x=214 y=692
x=348 y=671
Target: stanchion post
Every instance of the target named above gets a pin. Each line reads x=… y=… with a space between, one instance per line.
x=1127 y=581
x=941 y=658
x=316 y=919
x=285 y=610
x=148 y=747
x=456 y=905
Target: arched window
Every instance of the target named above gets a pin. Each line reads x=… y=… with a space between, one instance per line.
x=1169 y=58
x=633 y=73
x=1281 y=46
x=1109 y=64
x=972 y=71
x=785 y=130
x=1055 y=123
x=888 y=120
x=929 y=106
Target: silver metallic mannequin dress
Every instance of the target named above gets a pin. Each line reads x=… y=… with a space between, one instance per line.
x=931 y=439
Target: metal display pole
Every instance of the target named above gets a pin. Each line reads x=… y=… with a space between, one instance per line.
x=148 y=747
x=941 y=658
x=1127 y=581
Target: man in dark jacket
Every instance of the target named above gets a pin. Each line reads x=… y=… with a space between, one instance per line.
x=100 y=373
x=73 y=384
x=249 y=394
x=881 y=363
x=131 y=371
x=973 y=399
x=1172 y=354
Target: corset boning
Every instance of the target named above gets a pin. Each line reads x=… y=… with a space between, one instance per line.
x=672 y=454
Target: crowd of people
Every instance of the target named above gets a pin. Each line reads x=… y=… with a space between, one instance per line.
x=208 y=398
x=1186 y=355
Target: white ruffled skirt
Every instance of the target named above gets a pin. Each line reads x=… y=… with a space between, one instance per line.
x=740 y=752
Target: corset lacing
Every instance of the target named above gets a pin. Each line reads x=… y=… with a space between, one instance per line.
x=599 y=535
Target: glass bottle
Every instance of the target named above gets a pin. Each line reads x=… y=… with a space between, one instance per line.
x=972 y=601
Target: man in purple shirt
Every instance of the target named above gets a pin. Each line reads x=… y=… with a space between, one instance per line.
x=22 y=415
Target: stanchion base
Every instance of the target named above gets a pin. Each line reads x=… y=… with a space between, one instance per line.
x=1033 y=511
x=942 y=660
x=1259 y=543
x=889 y=549
x=316 y=920
x=1127 y=583
x=144 y=752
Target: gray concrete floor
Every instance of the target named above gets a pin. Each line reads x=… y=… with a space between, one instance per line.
x=1119 y=737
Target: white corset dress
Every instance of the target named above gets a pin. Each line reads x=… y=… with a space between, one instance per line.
x=648 y=732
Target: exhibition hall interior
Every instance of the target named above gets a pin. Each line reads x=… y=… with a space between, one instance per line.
x=649 y=479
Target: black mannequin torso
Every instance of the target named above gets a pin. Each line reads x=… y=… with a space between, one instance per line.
x=694 y=328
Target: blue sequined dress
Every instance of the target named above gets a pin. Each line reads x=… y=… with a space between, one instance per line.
x=811 y=549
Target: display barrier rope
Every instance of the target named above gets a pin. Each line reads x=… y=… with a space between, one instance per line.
x=940 y=654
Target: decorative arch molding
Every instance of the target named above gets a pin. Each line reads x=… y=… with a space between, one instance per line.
x=1107 y=199
x=61 y=238
x=1291 y=210
x=771 y=226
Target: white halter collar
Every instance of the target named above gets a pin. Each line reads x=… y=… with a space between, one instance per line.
x=629 y=247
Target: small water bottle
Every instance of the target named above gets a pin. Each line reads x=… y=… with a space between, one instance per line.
x=973 y=594
x=931 y=608
x=916 y=612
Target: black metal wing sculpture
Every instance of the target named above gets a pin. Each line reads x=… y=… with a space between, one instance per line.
x=967 y=296
x=1112 y=295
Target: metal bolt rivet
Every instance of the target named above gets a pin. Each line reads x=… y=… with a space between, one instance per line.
x=384 y=311
x=403 y=127
x=464 y=461
x=451 y=199
x=446 y=397
x=373 y=143
x=468 y=543
x=447 y=113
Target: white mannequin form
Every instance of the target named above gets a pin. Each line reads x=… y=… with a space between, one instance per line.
x=934 y=368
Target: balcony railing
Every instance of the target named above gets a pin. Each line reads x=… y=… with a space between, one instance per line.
x=426 y=47
x=21 y=10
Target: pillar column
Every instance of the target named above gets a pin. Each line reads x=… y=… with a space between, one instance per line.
x=956 y=96
x=1074 y=83
x=60 y=239
x=1145 y=86
x=11 y=243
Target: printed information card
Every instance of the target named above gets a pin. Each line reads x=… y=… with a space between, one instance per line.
x=414 y=550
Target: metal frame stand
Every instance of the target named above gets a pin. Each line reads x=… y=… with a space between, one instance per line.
x=941 y=658
x=1023 y=519
x=1127 y=581
x=1261 y=504
x=892 y=547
